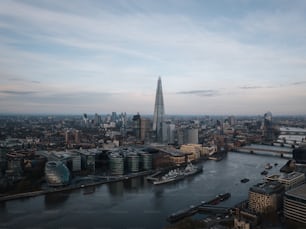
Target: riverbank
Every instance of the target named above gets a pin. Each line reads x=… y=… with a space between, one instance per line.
x=104 y=180
x=136 y=203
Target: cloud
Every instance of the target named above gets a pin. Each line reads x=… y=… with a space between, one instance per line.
x=24 y=80
x=299 y=83
x=22 y=93
x=204 y=93
x=65 y=51
x=250 y=87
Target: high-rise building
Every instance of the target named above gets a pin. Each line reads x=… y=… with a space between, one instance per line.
x=159 y=112
x=267 y=127
x=136 y=125
x=266 y=197
x=295 y=204
x=145 y=127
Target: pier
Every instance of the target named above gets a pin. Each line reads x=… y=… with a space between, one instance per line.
x=209 y=206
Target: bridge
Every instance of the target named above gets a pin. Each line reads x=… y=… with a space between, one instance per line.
x=265 y=149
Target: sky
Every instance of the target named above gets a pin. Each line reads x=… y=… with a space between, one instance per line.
x=228 y=57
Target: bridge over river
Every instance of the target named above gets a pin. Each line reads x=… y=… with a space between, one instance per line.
x=266 y=149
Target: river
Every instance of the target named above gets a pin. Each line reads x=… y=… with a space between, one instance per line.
x=136 y=203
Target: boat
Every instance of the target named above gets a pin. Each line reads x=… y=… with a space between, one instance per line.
x=178 y=174
x=191 y=169
x=264 y=172
x=244 y=180
x=171 y=176
x=268 y=166
x=219 y=198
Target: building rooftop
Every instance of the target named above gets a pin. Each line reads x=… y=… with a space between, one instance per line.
x=291 y=176
x=298 y=192
x=285 y=177
x=267 y=188
x=177 y=153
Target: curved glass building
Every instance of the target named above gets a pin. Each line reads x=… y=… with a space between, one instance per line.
x=146 y=161
x=133 y=163
x=57 y=174
x=116 y=164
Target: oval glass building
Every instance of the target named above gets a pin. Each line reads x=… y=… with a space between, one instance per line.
x=57 y=174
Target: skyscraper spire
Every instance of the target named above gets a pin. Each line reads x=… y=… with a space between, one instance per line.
x=159 y=112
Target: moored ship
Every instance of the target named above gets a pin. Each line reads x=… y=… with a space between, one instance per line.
x=171 y=176
x=178 y=174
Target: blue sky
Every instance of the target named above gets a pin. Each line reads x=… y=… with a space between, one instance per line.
x=214 y=57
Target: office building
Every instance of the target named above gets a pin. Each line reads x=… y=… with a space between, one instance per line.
x=267 y=127
x=145 y=127
x=146 y=161
x=136 y=126
x=299 y=154
x=295 y=204
x=168 y=132
x=266 y=197
x=88 y=160
x=191 y=136
x=159 y=112
x=116 y=164
x=289 y=180
x=133 y=162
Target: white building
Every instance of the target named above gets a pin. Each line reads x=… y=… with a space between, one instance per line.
x=289 y=180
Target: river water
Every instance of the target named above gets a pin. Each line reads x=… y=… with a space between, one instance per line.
x=136 y=203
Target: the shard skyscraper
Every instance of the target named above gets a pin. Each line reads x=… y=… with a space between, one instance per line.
x=159 y=112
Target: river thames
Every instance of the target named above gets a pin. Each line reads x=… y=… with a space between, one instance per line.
x=136 y=203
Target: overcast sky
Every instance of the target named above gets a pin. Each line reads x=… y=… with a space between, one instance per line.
x=214 y=57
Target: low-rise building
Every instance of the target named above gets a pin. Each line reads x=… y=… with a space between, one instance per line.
x=266 y=197
x=295 y=204
x=289 y=180
x=241 y=224
x=177 y=157
x=195 y=149
x=208 y=150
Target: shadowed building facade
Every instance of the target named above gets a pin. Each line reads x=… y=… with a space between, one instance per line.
x=159 y=112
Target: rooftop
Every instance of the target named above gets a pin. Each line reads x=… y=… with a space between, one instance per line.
x=298 y=192
x=267 y=188
x=291 y=176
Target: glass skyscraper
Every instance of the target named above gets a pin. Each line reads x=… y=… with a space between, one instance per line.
x=159 y=112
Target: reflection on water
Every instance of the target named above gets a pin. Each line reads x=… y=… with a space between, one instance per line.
x=55 y=200
x=116 y=189
x=2 y=207
x=135 y=203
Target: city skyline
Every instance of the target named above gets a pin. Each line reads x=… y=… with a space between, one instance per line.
x=228 y=58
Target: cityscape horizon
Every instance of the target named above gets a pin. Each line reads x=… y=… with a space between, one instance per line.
x=150 y=114
x=99 y=55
